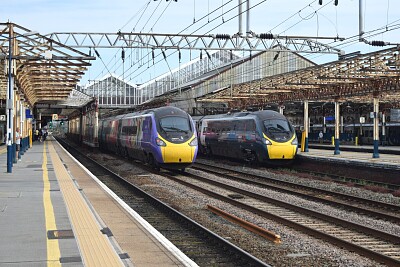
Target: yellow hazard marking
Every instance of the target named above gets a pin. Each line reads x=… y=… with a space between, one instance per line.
x=53 y=249
x=95 y=247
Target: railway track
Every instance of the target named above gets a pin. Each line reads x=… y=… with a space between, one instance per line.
x=203 y=246
x=376 y=209
x=371 y=243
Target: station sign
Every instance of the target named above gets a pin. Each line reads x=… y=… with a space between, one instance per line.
x=329 y=118
x=362 y=119
x=28 y=114
x=55 y=117
x=3 y=118
x=395 y=115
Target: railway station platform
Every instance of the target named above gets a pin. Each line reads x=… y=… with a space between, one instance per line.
x=395 y=150
x=54 y=212
x=389 y=157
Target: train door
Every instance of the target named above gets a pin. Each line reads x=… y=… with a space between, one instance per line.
x=232 y=139
x=113 y=136
x=212 y=137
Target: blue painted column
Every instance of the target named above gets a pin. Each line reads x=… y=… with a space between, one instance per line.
x=337 y=128
x=21 y=148
x=26 y=143
x=306 y=125
x=21 y=127
x=9 y=157
x=376 y=128
x=14 y=156
x=383 y=129
x=10 y=102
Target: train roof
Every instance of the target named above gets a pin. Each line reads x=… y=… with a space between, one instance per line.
x=261 y=114
x=161 y=111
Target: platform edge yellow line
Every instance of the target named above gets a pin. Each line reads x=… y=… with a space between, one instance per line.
x=53 y=248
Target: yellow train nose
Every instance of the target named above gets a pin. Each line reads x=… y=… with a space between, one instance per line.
x=178 y=153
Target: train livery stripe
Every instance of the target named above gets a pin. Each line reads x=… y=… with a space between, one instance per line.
x=53 y=249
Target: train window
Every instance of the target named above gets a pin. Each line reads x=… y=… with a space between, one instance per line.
x=241 y=125
x=134 y=130
x=249 y=126
x=175 y=124
x=278 y=130
x=107 y=130
x=277 y=126
x=129 y=130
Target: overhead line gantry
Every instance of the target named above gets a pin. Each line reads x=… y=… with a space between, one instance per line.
x=256 y=42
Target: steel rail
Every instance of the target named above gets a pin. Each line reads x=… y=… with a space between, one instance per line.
x=330 y=238
x=367 y=202
x=238 y=252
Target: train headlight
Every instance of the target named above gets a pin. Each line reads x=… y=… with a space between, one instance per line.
x=160 y=142
x=193 y=142
x=266 y=141
x=295 y=142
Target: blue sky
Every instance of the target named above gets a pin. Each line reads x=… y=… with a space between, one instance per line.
x=284 y=17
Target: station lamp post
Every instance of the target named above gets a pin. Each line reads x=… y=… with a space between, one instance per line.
x=10 y=103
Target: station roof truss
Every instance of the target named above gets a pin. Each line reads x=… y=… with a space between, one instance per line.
x=44 y=70
x=356 y=79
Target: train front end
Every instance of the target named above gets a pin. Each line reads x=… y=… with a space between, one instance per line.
x=176 y=138
x=280 y=138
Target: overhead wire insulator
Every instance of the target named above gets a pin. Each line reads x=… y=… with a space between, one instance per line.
x=152 y=55
x=336 y=2
x=165 y=57
x=378 y=43
x=266 y=36
x=123 y=55
x=223 y=36
x=201 y=54
x=320 y=2
x=179 y=55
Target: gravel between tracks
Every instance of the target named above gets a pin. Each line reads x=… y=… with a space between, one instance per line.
x=296 y=249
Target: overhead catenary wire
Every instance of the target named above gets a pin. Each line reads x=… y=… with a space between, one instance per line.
x=196 y=21
x=349 y=42
x=215 y=10
x=212 y=28
x=143 y=57
x=143 y=9
x=187 y=27
x=149 y=18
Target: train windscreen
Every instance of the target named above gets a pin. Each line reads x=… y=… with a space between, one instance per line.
x=175 y=129
x=278 y=130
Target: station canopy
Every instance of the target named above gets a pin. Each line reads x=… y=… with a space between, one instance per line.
x=45 y=72
x=356 y=78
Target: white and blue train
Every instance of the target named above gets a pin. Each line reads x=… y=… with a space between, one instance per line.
x=262 y=136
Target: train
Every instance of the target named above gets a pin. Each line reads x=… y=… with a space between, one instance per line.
x=263 y=136
x=163 y=137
